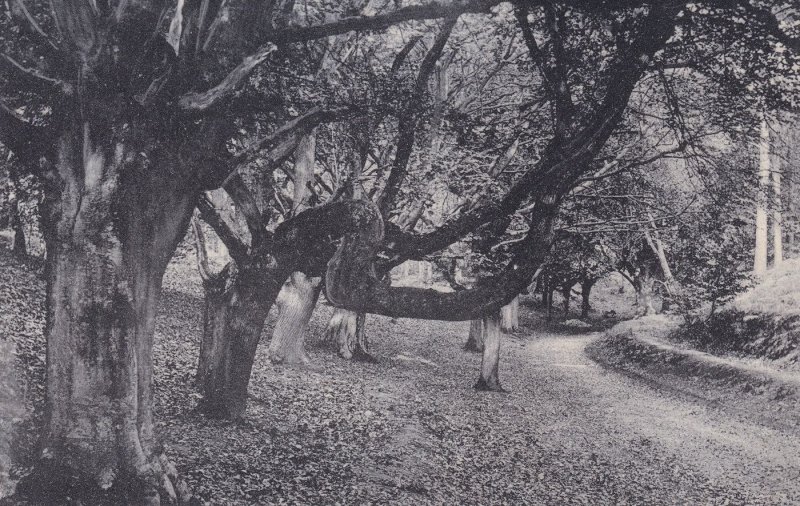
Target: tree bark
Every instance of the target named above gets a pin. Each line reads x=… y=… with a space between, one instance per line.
x=566 y=293
x=109 y=238
x=777 y=216
x=299 y=295
x=643 y=284
x=295 y=304
x=237 y=304
x=346 y=329
x=489 y=379
x=760 y=253
x=476 y=336
x=510 y=316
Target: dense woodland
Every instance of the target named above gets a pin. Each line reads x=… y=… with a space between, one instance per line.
x=310 y=153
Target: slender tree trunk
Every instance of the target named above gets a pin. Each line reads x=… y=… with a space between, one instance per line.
x=643 y=285
x=109 y=238
x=777 y=216
x=476 y=335
x=19 y=245
x=347 y=330
x=295 y=303
x=490 y=362
x=760 y=255
x=510 y=316
x=586 y=290
x=566 y=293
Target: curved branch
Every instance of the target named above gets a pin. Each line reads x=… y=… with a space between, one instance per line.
x=35 y=26
x=408 y=120
x=246 y=203
x=350 y=281
x=430 y=10
x=201 y=251
x=202 y=101
x=236 y=247
x=564 y=160
x=33 y=77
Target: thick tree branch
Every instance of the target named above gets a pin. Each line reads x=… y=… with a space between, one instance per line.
x=430 y=10
x=236 y=247
x=351 y=283
x=407 y=123
x=564 y=160
x=401 y=56
x=246 y=203
x=555 y=76
x=203 y=101
x=202 y=253
x=298 y=126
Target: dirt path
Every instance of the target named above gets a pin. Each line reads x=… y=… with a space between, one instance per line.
x=630 y=420
x=571 y=432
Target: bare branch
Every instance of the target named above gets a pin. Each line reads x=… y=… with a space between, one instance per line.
x=246 y=203
x=407 y=123
x=236 y=247
x=35 y=26
x=202 y=101
x=403 y=54
x=555 y=76
x=430 y=10
x=200 y=249
x=34 y=77
x=284 y=140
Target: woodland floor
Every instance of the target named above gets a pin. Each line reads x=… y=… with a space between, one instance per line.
x=410 y=429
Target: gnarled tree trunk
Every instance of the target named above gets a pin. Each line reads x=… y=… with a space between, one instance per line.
x=236 y=305
x=111 y=224
x=295 y=304
x=299 y=295
x=346 y=329
x=490 y=363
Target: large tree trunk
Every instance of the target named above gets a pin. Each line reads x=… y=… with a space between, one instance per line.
x=110 y=234
x=510 y=316
x=490 y=362
x=295 y=304
x=237 y=304
x=476 y=335
x=346 y=329
x=760 y=253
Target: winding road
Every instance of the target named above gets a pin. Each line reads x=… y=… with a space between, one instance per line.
x=572 y=432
